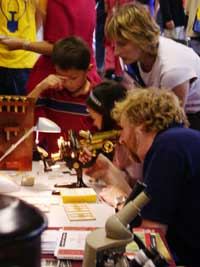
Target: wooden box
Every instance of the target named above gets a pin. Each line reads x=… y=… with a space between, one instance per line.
x=16 y=119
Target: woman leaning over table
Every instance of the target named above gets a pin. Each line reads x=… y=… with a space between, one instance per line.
x=160 y=62
x=99 y=104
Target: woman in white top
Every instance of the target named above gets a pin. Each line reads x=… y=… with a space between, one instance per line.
x=159 y=62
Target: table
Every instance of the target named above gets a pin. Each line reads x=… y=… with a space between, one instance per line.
x=40 y=194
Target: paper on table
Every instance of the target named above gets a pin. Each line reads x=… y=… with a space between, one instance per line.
x=49 y=241
x=78 y=212
x=71 y=244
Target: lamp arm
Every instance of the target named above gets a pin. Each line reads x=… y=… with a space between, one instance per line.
x=14 y=146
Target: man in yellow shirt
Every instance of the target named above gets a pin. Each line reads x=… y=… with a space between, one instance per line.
x=19 y=19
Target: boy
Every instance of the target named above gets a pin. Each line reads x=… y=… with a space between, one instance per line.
x=61 y=97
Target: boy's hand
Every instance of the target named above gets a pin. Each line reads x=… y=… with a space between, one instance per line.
x=52 y=82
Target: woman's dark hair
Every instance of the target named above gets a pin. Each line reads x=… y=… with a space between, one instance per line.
x=102 y=99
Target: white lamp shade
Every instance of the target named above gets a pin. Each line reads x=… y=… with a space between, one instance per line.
x=45 y=125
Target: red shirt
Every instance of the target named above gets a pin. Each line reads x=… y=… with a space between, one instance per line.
x=65 y=18
x=67 y=111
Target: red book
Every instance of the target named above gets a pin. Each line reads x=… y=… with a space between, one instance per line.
x=151 y=237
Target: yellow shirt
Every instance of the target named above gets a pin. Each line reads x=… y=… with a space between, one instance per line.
x=17 y=19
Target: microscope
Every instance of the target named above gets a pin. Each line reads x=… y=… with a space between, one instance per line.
x=106 y=247
x=70 y=149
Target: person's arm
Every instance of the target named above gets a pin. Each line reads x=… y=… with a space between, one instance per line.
x=105 y=170
x=181 y=91
x=51 y=82
x=40 y=16
x=156 y=8
x=42 y=47
x=114 y=196
x=187 y=7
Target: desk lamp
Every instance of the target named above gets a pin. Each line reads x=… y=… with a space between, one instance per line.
x=43 y=125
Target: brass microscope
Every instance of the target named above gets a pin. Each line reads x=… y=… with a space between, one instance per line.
x=71 y=148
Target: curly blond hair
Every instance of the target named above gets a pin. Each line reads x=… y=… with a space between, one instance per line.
x=153 y=108
x=132 y=22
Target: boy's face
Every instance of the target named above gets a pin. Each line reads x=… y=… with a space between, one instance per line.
x=73 y=80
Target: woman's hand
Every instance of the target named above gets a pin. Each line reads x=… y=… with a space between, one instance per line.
x=100 y=168
x=85 y=156
x=111 y=194
x=105 y=170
